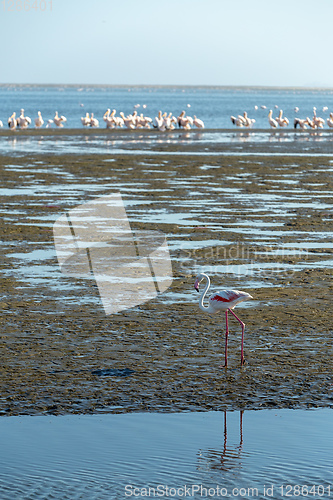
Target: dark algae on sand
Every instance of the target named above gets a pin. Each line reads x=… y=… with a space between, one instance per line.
x=61 y=354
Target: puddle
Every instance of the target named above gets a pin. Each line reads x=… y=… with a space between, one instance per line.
x=250 y=454
x=151 y=142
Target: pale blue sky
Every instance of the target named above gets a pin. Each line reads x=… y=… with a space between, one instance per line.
x=180 y=42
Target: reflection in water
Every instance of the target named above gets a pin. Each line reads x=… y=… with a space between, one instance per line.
x=230 y=458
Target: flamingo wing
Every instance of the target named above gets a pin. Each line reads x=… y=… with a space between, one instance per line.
x=228 y=298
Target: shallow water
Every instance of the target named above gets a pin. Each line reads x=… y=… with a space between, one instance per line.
x=213 y=105
x=224 y=142
x=251 y=454
x=245 y=245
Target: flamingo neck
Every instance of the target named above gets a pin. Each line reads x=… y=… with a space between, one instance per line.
x=209 y=308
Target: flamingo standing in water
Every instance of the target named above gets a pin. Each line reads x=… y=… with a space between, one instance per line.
x=282 y=121
x=57 y=120
x=330 y=120
x=225 y=300
x=12 y=121
x=85 y=120
x=198 y=123
x=23 y=121
x=39 y=122
x=93 y=121
x=273 y=123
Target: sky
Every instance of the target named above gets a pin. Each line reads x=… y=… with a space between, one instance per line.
x=284 y=43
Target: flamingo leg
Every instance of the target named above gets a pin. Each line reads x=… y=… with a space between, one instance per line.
x=243 y=329
x=226 y=340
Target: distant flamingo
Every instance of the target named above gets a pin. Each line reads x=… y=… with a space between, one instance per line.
x=302 y=123
x=23 y=121
x=181 y=120
x=39 y=122
x=239 y=121
x=85 y=120
x=248 y=122
x=318 y=122
x=225 y=300
x=128 y=121
x=273 y=123
x=330 y=120
x=282 y=121
x=159 y=121
x=12 y=121
x=57 y=120
x=93 y=121
x=198 y=123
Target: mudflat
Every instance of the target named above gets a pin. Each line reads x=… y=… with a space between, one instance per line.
x=261 y=223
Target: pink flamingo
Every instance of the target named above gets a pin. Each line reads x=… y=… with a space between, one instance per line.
x=225 y=300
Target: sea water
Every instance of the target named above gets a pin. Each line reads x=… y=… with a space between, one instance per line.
x=214 y=105
x=253 y=454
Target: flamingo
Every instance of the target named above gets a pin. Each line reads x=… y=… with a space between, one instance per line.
x=273 y=123
x=108 y=117
x=197 y=122
x=330 y=120
x=39 y=122
x=85 y=120
x=12 y=122
x=283 y=122
x=128 y=121
x=93 y=121
x=189 y=122
x=23 y=121
x=224 y=300
x=248 y=122
x=169 y=121
x=239 y=121
x=159 y=121
x=311 y=123
x=181 y=120
x=57 y=120
x=302 y=123
x=119 y=122
x=319 y=122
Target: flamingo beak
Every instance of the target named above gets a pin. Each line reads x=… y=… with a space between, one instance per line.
x=196 y=285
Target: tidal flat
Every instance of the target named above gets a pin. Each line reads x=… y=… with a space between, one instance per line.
x=260 y=223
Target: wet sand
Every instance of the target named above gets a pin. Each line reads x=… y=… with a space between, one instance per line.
x=61 y=354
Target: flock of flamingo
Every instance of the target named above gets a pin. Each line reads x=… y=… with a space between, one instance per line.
x=282 y=121
x=164 y=121
x=23 y=122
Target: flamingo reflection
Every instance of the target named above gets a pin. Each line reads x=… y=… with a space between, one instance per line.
x=230 y=457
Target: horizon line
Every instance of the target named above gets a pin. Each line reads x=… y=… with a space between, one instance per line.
x=143 y=85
